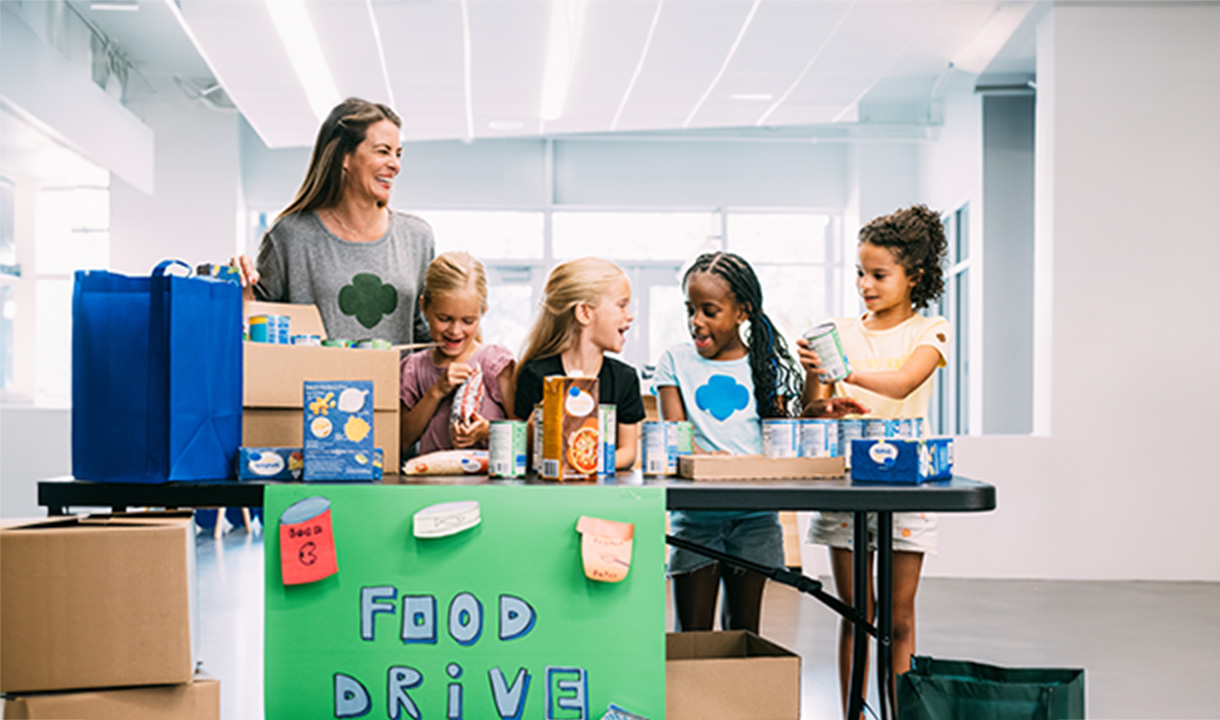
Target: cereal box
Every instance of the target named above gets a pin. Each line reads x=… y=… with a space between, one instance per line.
x=570 y=440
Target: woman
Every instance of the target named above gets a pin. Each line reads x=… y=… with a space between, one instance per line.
x=338 y=246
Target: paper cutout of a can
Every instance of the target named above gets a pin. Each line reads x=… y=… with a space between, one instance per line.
x=307 y=541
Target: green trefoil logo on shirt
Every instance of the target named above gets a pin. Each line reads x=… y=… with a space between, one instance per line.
x=368 y=299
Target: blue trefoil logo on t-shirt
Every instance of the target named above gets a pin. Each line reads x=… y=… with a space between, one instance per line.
x=368 y=298
x=722 y=396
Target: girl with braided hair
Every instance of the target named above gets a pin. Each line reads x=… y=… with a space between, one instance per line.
x=893 y=352
x=724 y=385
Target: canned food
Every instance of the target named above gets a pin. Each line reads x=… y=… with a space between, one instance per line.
x=849 y=429
x=780 y=438
x=607 y=425
x=824 y=340
x=372 y=344
x=685 y=442
x=506 y=448
x=875 y=428
x=264 y=328
x=311 y=340
x=655 y=444
x=536 y=465
x=337 y=342
x=818 y=437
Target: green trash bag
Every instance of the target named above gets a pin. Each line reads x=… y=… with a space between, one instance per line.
x=964 y=690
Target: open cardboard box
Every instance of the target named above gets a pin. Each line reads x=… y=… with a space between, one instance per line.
x=198 y=700
x=97 y=601
x=733 y=675
x=274 y=394
x=757 y=467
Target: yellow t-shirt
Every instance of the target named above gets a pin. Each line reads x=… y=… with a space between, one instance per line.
x=882 y=350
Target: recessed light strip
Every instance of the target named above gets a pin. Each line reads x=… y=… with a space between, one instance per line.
x=385 y=70
x=808 y=67
x=296 y=32
x=466 y=71
x=725 y=65
x=560 y=56
x=638 y=66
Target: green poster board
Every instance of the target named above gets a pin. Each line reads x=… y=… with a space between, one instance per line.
x=501 y=621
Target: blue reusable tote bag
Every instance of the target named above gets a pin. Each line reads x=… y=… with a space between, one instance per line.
x=156 y=377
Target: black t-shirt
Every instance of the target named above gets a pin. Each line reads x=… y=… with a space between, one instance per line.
x=617 y=385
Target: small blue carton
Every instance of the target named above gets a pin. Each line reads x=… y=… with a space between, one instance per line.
x=901 y=461
x=342 y=465
x=338 y=417
x=270 y=463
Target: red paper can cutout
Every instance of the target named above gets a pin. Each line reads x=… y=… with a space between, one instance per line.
x=307 y=542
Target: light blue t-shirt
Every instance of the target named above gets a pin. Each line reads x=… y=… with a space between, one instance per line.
x=719 y=398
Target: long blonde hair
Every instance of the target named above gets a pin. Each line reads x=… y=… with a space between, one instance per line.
x=572 y=283
x=455 y=272
x=341 y=133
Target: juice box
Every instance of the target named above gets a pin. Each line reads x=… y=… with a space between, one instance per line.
x=571 y=443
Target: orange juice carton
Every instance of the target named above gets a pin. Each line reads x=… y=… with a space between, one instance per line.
x=571 y=442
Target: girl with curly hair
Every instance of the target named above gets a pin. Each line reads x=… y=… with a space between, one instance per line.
x=893 y=352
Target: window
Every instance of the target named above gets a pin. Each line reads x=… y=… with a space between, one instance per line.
x=949 y=413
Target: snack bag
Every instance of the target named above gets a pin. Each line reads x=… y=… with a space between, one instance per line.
x=467 y=399
x=447 y=462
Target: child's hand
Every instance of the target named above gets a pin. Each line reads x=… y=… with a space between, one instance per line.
x=808 y=358
x=469 y=434
x=453 y=377
x=249 y=275
x=835 y=407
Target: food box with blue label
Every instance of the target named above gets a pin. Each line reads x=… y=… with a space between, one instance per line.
x=338 y=430
x=901 y=460
x=284 y=463
x=272 y=404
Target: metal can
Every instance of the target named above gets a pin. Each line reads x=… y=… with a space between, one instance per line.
x=283 y=328
x=875 y=428
x=655 y=444
x=337 y=342
x=506 y=449
x=372 y=344
x=818 y=438
x=781 y=438
x=916 y=427
x=607 y=426
x=824 y=340
x=849 y=429
x=685 y=442
x=311 y=340
x=536 y=465
x=263 y=329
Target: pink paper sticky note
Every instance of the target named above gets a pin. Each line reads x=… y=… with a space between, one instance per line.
x=307 y=542
x=605 y=548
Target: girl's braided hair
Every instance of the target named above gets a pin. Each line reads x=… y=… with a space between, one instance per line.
x=917 y=239
x=777 y=380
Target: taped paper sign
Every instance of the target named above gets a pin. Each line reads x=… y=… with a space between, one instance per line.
x=605 y=548
x=307 y=542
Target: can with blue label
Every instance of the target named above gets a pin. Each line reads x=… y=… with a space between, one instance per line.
x=310 y=340
x=261 y=331
x=849 y=429
x=506 y=449
x=824 y=340
x=781 y=438
x=607 y=426
x=819 y=438
x=655 y=444
x=874 y=428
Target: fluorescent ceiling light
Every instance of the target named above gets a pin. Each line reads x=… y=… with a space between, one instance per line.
x=566 y=17
x=725 y=65
x=638 y=66
x=296 y=32
x=751 y=96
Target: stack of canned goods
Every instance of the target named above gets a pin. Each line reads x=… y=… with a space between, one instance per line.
x=859 y=429
x=663 y=442
x=271 y=329
x=785 y=438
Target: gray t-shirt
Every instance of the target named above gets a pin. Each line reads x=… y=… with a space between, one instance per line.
x=362 y=290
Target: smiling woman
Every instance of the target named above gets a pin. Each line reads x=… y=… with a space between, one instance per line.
x=338 y=246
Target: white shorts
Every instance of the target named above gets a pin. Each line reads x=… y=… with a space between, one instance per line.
x=913 y=532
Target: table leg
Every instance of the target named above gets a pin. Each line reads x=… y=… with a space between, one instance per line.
x=885 y=614
x=859 y=636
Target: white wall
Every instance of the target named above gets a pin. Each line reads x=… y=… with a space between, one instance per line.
x=1121 y=487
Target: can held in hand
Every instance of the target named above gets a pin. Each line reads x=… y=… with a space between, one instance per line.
x=824 y=340
x=781 y=438
x=506 y=449
x=607 y=426
x=818 y=438
x=849 y=429
x=655 y=443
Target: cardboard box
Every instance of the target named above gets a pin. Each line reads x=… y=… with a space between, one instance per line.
x=901 y=461
x=756 y=467
x=275 y=377
x=97 y=601
x=199 y=700
x=734 y=675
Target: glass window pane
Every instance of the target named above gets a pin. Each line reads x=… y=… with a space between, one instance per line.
x=961 y=332
x=8 y=313
x=961 y=237
x=795 y=298
x=632 y=235
x=488 y=234
x=53 y=341
x=8 y=237
x=778 y=237
x=666 y=320
x=510 y=314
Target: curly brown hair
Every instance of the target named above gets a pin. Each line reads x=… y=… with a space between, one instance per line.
x=917 y=239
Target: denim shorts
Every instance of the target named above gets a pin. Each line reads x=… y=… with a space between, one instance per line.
x=755 y=536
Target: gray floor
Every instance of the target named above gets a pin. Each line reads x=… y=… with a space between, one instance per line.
x=1150 y=650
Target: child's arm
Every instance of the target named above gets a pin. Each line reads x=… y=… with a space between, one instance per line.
x=416 y=419
x=899 y=383
x=628 y=439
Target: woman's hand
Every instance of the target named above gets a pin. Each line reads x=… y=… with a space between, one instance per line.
x=249 y=275
x=835 y=407
x=470 y=434
x=453 y=377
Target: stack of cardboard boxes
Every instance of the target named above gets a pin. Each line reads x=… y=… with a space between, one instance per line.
x=97 y=619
